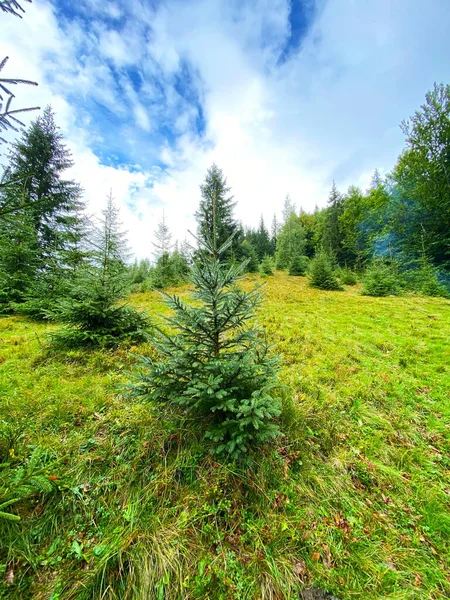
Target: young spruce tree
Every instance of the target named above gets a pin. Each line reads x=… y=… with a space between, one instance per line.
x=93 y=313
x=216 y=365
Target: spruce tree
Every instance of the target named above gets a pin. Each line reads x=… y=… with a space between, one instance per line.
x=215 y=363
x=322 y=273
x=266 y=267
x=162 y=274
x=34 y=183
x=332 y=237
x=299 y=265
x=38 y=162
x=215 y=190
x=274 y=230
x=249 y=254
x=261 y=240
x=18 y=258
x=291 y=241
x=93 y=314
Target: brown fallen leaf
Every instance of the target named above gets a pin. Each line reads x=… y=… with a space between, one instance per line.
x=10 y=576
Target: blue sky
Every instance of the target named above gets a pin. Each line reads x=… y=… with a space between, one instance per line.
x=284 y=95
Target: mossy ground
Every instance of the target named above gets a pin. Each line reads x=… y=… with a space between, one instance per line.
x=354 y=499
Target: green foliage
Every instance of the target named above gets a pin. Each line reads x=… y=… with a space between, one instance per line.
x=249 y=254
x=347 y=276
x=260 y=240
x=331 y=240
x=215 y=366
x=215 y=214
x=290 y=242
x=299 y=265
x=21 y=481
x=42 y=225
x=381 y=279
x=92 y=313
x=421 y=276
x=422 y=173
x=322 y=275
x=266 y=267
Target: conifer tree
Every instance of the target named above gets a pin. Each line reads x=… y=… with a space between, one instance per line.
x=274 y=234
x=322 y=273
x=266 y=266
x=38 y=162
x=18 y=262
x=93 y=314
x=331 y=237
x=34 y=183
x=163 y=273
x=299 y=265
x=215 y=190
x=291 y=242
x=249 y=254
x=215 y=365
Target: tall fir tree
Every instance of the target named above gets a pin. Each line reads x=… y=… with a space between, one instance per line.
x=331 y=237
x=216 y=192
x=274 y=230
x=38 y=162
x=261 y=240
x=34 y=182
x=291 y=242
x=93 y=313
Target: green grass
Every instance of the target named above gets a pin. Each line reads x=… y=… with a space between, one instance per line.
x=353 y=500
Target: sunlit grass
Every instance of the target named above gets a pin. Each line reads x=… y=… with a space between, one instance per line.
x=353 y=500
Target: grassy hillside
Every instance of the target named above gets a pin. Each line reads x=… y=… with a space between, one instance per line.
x=353 y=500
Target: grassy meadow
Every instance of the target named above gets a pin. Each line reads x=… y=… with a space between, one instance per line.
x=353 y=500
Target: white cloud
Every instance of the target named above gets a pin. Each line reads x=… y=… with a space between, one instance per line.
x=331 y=111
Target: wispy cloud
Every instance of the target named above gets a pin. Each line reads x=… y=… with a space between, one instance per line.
x=284 y=95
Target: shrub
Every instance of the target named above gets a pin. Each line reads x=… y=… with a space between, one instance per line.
x=347 y=276
x=299 y=265
x=322 y=273
x=266 y=266
x=380 y=279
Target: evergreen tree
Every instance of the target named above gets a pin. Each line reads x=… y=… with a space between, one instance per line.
x=162 y=274
x=380 y=279
x=34 y=184
x=322 y=273
x=38 y=162
x=274 y=235
x=331 y=238
x=266 y=266
x=215 y=365
x=309 y=224
x=93 y=313
x=351 y=219
x=18 y=262
x=250 y=255
x=215 y=197
x=299 y=265
x=291 y=242
x=261 y=240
